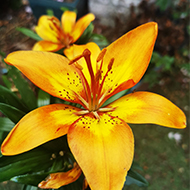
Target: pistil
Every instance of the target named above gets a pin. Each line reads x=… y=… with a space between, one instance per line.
x=93 y=92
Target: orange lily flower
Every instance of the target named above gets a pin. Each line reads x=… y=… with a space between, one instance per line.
x=58 y=35
x=98 y=136
x=56 y=180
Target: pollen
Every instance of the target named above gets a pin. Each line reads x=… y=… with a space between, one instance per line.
x=101 y=55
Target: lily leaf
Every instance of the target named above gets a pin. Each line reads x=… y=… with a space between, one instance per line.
x=6 y=81
x=33 y=161
x=86 y=35
x=134 y=177
x=6 y=124
x=29 y=33
x=11 y=112
x=100 y=40
x=27 y=95
x=115 y=97
x=30 y=179
x=43 y=98
x=8 y=97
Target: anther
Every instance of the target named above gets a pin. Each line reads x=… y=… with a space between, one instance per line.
x=101 y=55
x=98 y=75
x=75 y=59
x=110 y=64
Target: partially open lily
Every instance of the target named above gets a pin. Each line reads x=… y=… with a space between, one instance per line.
x=56 y=180
x=57 y=35
x=99 y=137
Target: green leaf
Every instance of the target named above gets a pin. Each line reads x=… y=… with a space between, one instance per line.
x=29 y=33
x=32 y=161
x=163 y=4
x=3 y=54
x=6 y=124
x=6 y=81
x=11 y=112
x=8 y=97
x=27 y=94
x=29 y=187
x=43 y=98
x=84 y=38
x=50 y=12
x=30 y=179
x=134 y=177
x=100 y=40
x=115 y=97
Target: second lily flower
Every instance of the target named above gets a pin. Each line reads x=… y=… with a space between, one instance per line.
x=57 y=35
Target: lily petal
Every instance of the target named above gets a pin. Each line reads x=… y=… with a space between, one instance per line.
x=81 y=25
x=56 y=180
x=50 y=72
x=68 y=20
x=131 y=54
x=39 y=126
x=47 y=29
x=47 y=46
x=103 y=149
x=147 y=107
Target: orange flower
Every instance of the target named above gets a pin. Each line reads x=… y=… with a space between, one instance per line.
x=58 y=35
x=56 y=180
x=98 y=136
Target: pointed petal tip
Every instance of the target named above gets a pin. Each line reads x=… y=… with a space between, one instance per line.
x=6 y=60
x=156 y=26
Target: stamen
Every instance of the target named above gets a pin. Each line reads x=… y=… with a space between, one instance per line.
x=78 y=66
x=75 y=59
x=110 y=64
x=106 y=109
x=96 y=115
x=83 y=112
x=86 y=55
x=98 y=75
x=101 y=55
x=85 y=103
x=102 y=97
x=86 y=88
x=101 y=85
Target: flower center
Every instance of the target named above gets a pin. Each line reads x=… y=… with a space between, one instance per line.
x=63 y=38
x=93 y=91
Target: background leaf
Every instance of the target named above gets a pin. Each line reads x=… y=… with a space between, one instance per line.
x=8 y=97
x=11 y=112
x=27 y=94
x=29 y=33
x=43 y=98
x=134 y=177
x=31 y=161
x=6 y=124
x=100 y=40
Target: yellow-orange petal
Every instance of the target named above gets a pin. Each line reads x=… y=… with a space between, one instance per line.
x=81 y=25
x=131 y=54
x=47 y=46
x=103 y=149
x=56 y=180
x=39 y=126
x=147 y=107
x=48 y=28
x=49 y=71
x=68 y=20
x=76 y=50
